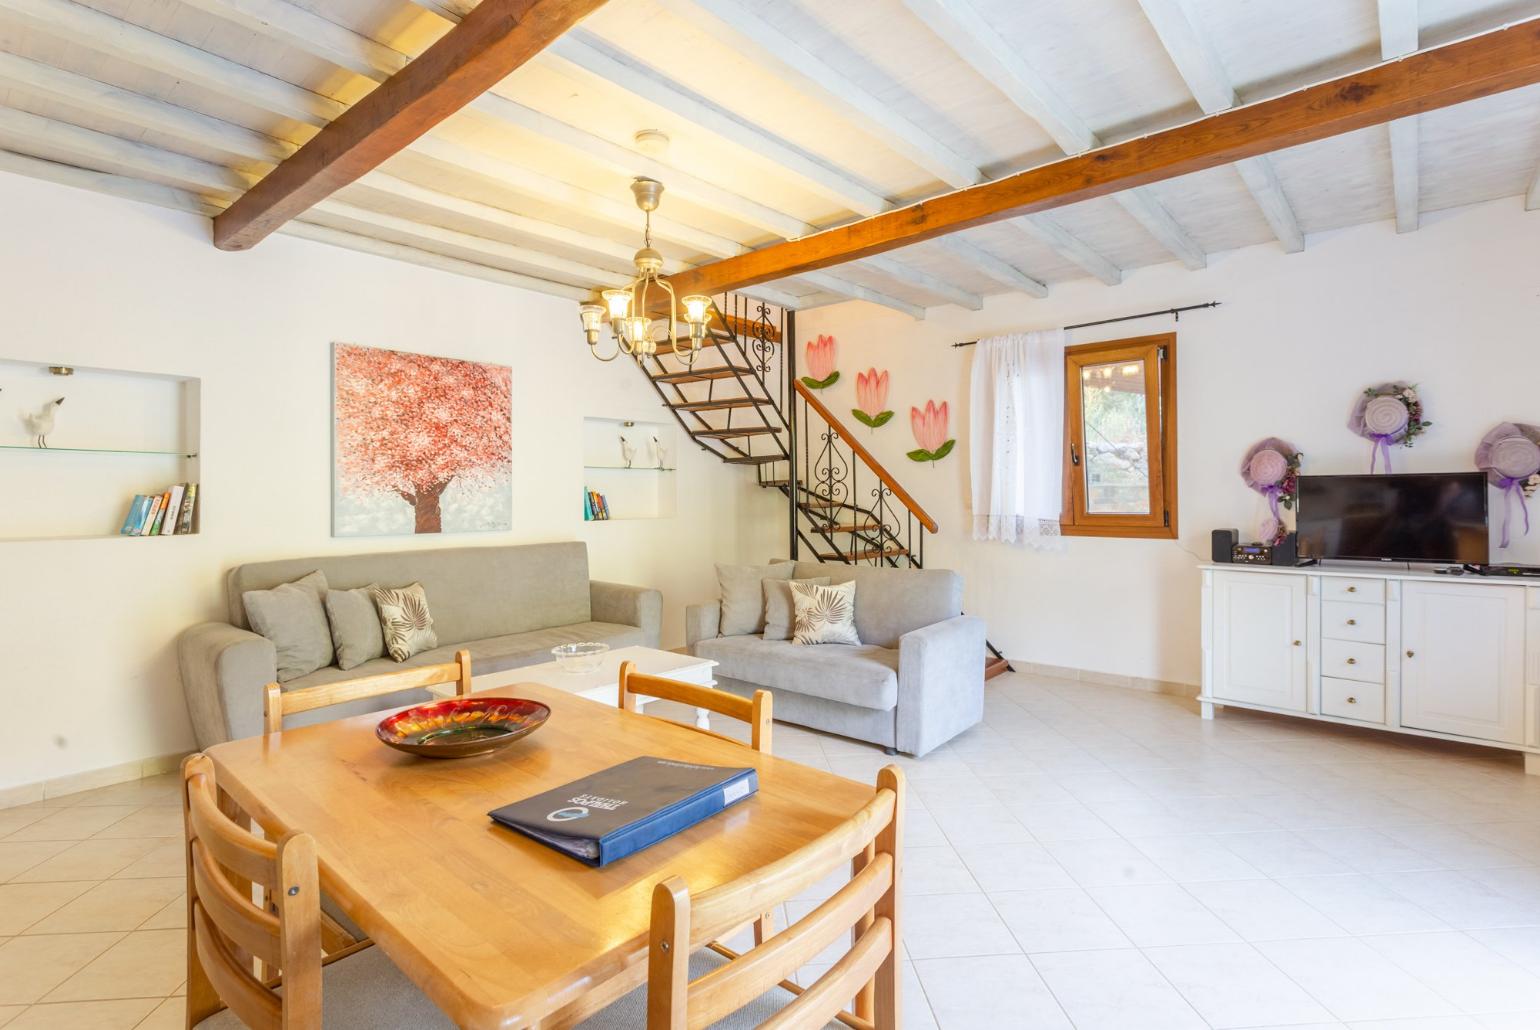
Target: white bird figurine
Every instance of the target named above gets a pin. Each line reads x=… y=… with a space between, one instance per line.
x=41 y=424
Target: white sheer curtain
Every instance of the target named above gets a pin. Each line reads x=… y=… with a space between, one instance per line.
x=1016 y=438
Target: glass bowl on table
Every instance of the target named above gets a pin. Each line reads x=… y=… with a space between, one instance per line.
x=579 y=658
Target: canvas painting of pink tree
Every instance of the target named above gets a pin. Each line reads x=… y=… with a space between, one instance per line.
x=422 y=444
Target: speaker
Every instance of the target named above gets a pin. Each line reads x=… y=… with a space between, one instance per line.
x=1286 y=553
x=1224 y=542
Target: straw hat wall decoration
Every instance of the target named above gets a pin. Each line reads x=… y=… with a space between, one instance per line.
x=1510 y=456
x=1387 y=414
x=1271 y=468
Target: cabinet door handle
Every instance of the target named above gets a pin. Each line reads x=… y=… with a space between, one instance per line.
x=1352 y=590
x=1297 y=643
x=1352 y=661
x=1352 y=700
x=1411 y=654
x=1352 y=622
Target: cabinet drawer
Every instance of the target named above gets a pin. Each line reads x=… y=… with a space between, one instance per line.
x=1352 y=588
x=1351 y=699
x=1347 y=659
x=1351 y=620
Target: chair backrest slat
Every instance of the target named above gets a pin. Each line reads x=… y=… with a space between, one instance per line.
x=752 y=974
x=757 y=712
x=256 y=1005
x=278 y=702
x=236 y=917
x=866 y=908
x=229 y=845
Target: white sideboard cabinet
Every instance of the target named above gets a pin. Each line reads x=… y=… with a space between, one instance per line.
x=1408 y=652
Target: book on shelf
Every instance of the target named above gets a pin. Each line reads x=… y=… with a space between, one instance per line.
x=588 y=506
x=160 y=513
x=173 y=509
x=134 y=516
x=167 y=513
x=595 y=507
x=148 y=526
x=185 y=523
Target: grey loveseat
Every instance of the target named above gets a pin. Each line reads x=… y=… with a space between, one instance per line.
x=507 y=605
x=915 y=681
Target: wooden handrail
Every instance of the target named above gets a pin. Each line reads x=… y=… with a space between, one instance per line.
x=865 y=455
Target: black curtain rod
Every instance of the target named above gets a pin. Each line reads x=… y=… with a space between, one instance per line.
x=1123 y=318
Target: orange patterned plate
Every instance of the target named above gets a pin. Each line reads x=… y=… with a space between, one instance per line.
x=463 y=726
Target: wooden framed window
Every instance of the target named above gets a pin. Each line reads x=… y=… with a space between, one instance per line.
x=1120 y=438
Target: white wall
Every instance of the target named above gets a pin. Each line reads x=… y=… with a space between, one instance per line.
x=88 y=674
x=1453 y=307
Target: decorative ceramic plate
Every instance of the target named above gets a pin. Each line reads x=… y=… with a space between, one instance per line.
x=462 y=726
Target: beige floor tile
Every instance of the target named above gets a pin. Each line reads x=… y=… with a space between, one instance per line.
x=164 y=858
x=111 y=905
x=93 y=860
x=10 y=1012
x=13 y=819
x=86 y=1015
x=170 y=1014
x=144 y=964
x=172 y=917
x=149 y=821
x=23 y=904
x=157 y=790
x=74 y=823
x=30 y=967
x=16 y=857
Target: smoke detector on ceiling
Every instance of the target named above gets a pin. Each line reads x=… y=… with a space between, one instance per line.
x=652 y=142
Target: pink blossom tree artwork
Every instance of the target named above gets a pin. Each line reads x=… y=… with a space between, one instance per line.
x=872 y=398
x=422 y=444
x=930 y=425
x=820 y=357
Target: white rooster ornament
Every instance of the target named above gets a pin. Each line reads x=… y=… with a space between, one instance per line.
x=41 y=424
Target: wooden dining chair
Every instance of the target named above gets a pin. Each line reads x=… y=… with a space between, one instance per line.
x=277 y=702
x=756 y=711
x=233 y=942
x=694 y=982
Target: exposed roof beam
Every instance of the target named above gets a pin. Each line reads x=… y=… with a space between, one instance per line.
x=1480 y=66
x=494 y=39
x=1399 y=31
x=855 y=291
x=104 y=182
x=1205 y=75
x=1048 y=231
x=745 y=32
x=308 y=33
x=84 y=26
x=927 y=282
x=996 y=268
x=978 y=43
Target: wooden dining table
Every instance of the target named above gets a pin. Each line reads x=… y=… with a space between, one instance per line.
x=498 y=930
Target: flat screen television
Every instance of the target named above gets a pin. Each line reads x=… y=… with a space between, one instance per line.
x=1435 y=517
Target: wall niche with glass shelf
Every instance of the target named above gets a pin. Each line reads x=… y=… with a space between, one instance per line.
x=631 y=464
x=117 y=434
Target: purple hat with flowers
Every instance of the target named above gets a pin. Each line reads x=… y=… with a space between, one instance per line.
x=1510 y=456
x=1390 y=413
x=1271 y=468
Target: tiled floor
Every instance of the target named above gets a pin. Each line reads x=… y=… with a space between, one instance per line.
x=1089 y=857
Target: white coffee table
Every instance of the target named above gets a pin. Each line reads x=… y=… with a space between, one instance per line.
x=603 y=684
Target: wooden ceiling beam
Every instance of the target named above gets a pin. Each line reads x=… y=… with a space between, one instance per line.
x=1399 y=31
x=1481 y=66
x=489 y=43
x=1047 y=231
x=1207 y=80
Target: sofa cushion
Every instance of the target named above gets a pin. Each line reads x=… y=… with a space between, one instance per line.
x=824 y=614
x=405 y=620
x=892 y=602
x=778 y=610
x=863 y=675
x=743 y=597
x=355 y=623
x=477 y=592
x=291 y=616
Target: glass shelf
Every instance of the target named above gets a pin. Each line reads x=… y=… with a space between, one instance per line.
x=92 y=450
x=627 y=468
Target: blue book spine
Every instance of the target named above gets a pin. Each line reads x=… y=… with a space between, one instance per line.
x=588 y=508
x=135 y=513
x=679 y=816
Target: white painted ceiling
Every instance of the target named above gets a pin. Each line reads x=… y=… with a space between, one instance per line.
x=785 y=116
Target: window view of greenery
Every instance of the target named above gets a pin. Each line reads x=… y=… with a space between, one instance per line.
x=1117 y=449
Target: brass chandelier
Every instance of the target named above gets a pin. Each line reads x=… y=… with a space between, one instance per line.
x=626 y=308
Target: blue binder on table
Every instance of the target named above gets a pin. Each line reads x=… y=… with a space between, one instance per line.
x=621 y=810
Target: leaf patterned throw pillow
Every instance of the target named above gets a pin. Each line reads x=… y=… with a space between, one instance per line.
x=405 y=620
x=824 y=614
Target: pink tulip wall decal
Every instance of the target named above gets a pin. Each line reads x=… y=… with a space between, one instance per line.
x=929 y=428
x=872 y=396
x=820 y=364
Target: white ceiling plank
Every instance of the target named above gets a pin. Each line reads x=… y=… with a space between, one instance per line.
x=309 y=33
x=449 y=10
x=60 y=141
x=996 y=268
x=1200 y=67
x=1071 y=247
x=1532 y=197
x=743 y=31
x=74 y=23
x=925 y=281
x=587 y=52
x=104 y=182
x=400 y=252
x=970 y=35
x=855 y=291
x=1399 y=31
x=239 y=144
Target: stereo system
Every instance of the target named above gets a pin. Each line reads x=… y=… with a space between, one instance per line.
x=1227 y=549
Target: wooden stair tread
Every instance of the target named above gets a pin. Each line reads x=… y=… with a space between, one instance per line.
x=701 y=375
x=754 y=459
x=722 y=405
x=892 y=552
x=869 y=527
x=732 y=434
x=994 y=666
